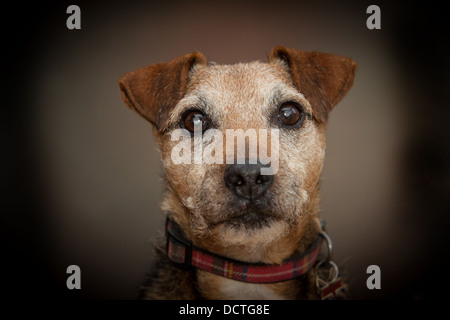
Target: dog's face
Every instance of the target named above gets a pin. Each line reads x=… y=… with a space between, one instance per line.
x=228 y=203
x=245 y=96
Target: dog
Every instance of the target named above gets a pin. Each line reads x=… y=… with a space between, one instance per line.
x=232 y=231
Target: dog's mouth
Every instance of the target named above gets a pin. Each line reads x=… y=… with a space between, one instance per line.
x=249 y=215
x=241 y=213
x=250 y=220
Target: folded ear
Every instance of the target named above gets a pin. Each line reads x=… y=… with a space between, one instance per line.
x=322 y=78
x=154 y=90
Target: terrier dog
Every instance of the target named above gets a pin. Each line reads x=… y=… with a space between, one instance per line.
x=234 y=232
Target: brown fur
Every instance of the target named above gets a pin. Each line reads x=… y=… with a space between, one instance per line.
x=323 y=78
x=241 y=96
x=152 y=91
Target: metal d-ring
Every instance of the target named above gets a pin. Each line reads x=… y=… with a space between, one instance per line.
x=329 y=245
x=333 y=273
x=326 y=265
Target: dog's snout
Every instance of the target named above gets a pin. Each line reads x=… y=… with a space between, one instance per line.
x=246 y=181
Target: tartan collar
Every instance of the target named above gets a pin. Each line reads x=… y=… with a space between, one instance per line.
x=182 y=252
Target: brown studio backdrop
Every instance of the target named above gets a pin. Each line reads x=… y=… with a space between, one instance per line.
x=95 y=171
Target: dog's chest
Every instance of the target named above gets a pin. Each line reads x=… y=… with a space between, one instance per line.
x=214 y=287
x=238 y=290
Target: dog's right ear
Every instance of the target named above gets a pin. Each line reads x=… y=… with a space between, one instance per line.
x=153 y=91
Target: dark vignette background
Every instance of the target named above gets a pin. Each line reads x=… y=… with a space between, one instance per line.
x=79 y=181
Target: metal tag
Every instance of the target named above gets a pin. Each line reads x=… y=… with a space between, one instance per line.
x=333 y=291
x=328 y=282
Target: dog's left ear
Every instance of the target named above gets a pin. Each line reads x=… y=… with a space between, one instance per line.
x=322 y=78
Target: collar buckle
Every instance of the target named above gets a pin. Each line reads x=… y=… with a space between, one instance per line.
x=179 y=249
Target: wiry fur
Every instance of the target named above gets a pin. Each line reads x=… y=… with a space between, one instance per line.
x=241 y=96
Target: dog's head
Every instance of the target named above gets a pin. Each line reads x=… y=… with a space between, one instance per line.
x=242 y=145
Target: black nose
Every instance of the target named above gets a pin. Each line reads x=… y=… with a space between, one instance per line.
x=246 y=181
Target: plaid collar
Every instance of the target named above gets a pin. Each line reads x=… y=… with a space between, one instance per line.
x=181 y=251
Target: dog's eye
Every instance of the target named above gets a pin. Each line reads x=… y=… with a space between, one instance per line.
x=194 y=118
x=289 y=115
